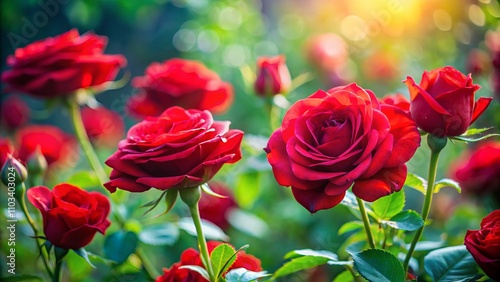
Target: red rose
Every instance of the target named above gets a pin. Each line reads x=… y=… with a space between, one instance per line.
x=14 y=112
x=6 y=149
x=328 y=52
x=333 y=139
x=216 y=209
x=478 y=172
x=484 y=245
x=179 y=82
x=192 y=257
x=273 y=76
x=60 y=65
x=104 y=127
x=381 y=66
x=398 y=100
x=443 y=104
x=71 y=216
x=477 y=62
x=180 y=148
x=55 y=145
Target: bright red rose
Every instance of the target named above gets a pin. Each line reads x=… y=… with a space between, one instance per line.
x=443 y=103
x=178 y=82
x=6 y=149
x=273 y=76
x=71 y=216
x=484 y=245
x=478 y=171
x=178 y=149
x=333 y=139
x=58 y=66
x=192 y=257
x=55 y=145
x=104 y=127
x=14 y=112
x=398 y=100
x=216 y=209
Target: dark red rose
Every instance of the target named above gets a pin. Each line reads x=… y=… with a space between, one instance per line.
x=333 y=139
x=178 y=82
x=104 y=127
x=178 y=149
x=6 y=149
x=55 y=145
x=478 y=171
x=398 y=100
x=14 y=112
x=60 y=65
x=192 y=257
x=484 y=245
x=443 y=103
x=273 y=76
x=71 y=216
x=216 y=209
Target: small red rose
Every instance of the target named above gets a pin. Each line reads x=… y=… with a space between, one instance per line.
x=14 y=112
x=273 y=76
x=104 y=127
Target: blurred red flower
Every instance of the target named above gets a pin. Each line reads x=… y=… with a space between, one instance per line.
x=192 y=257
x=104 y=127
x=14 y=112
x=398 y=100
x=216 y=209
x=57 y=66
x=327 y=52
x=178 y=82
x=6 y=148
x=477 y=62
x=381 y=66
x=273 y=76
x=443 y=103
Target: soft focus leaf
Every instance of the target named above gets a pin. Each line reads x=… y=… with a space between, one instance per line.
x=475 y=131
x=247 y=188
x=202 y=271
x=160 y=234
x=446 y=182
x=472 y=139
x=309 y=252
x=244 y=275
x=350 y=226
x=222 y=257
x=247 y=222
x=83 y=253
x=389 y=206
x=120 y=245
x=416 y=182
x=344 y=276
x=379 y=265
x=211 y=231
x=84 y=179
x=206 y=188
x=299 y=264
x=405 y=220
x=429 y=245
x=20 y=277
x=450 y=264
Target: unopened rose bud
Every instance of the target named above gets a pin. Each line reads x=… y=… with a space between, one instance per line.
x=13 y=172
x=273 y=76
x=36 y=163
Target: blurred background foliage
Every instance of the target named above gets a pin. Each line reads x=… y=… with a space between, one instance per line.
x=381 y=42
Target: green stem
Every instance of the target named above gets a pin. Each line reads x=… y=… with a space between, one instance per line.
x=356 y=277
x=32 y=223
x=366 y=222
x=57 y=271
x=202 y=243
x=148 y=266
x=427 y=204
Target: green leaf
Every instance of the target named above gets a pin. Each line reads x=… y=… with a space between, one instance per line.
x=247 y=222
x=405 y=220
x=20 y=277
x=160 y=234
x=299 y=264
x=206 y=188
x=211 y=231
x=170 y=199
x=472 y=139
x=84 y=179
x=475 y=131
x=309 y=252
x=389 y=206
x=120 y=245
x=450 y=264
x=153 y=203
x=83 y=253
x=247 y=188
x=446 y=182
x=350 y=226
x=416 y=182
x=200 y=270
x=379 y=265
x=428 y=245
x=222 y=257
x=344 y=276
x=244 y=275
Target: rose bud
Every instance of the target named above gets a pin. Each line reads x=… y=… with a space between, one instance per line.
x=36 y=163
x=443 y=103
x=71 y=216
x=178 y=82
x=273 y=76
x=104 y=127
x=484 y=245
x=14 y=112
x=57 y=66
x=13 y=169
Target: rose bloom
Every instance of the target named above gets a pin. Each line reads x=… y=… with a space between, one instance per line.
x=178 y=82
x=443 y=103
x=273 y=76
x=478 y=171
x=178 y=149
x=6 y=149
x=14 y=112
x=104 y=127
x=328 y=52
x=55 y=145
x=71 y=216
x=381 y=66
x=398 y=100
x=333 y=139
x=58 y=66
x=215 y=209
x=484 y=245
x=192 y=257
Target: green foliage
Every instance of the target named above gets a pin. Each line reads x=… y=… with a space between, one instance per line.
x=84 y=179
x=120 y=245
x=202 y=271
x=159 y=234
x=244 y=275
x=450 y=264
x=211 y=231
x=222 y=257
x=388 y=206
x=379 y=265
x=416 y=182
x=405 y=220
x=21 y=277
x=446 y=182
